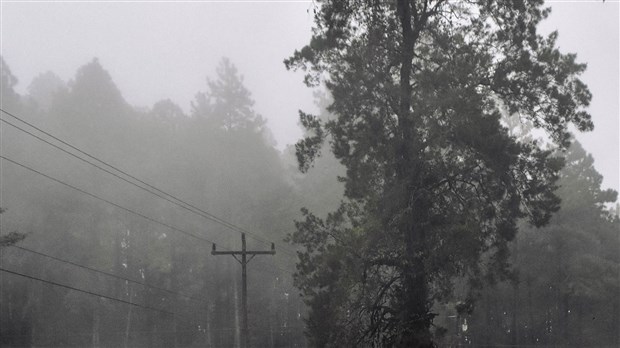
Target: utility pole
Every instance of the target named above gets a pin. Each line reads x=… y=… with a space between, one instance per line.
x=245 y=336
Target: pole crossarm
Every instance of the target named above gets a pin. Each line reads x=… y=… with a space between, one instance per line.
x=244 y=260
x=248 y=252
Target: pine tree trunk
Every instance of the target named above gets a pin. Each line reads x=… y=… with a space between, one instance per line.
x=33 y=309
x=415 y=319
x=515 y=316
x=150 y=315
x=129 y=250
x=615 y=324
x=272 y=312
x=208 y=327
x=237 y=317
x=174 y=287
x=515 y=302
x=150 y=324
x=580 y=319
x=30 y=312
x=96 y=324
x=530 y=314
x=118 y=262
x=487 y=318
x=128 y=320
x=208 y=333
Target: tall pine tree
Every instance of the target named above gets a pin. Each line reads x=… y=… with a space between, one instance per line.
x=434 y=184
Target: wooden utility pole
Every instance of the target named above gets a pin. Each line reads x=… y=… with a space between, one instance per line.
x=245 y=336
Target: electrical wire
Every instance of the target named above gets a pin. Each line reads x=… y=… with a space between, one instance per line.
x=92 y=164
x=88 y=292
x=124 y=208
x=91 y=293
x=279 y=329
x=109 y=274
x=159 y=193
x=182 y=204
x=106 y=201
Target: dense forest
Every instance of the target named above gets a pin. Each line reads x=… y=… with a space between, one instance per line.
x=419 y=209
x=219 y=158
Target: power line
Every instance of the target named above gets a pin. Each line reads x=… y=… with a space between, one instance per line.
x=105 y=200
x=95 y=165
x=88 y=292
x=162 y=194
x=109 y=274
x=88 y=162
x=116 y=205
x=278 y=329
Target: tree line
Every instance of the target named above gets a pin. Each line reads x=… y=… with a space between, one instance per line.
x=220 y=158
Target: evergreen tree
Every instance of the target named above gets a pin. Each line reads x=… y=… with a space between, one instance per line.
x=43 y=89
x=435 y=183
x=319 y=187
x=568 y=271
x=228 y=103
x=10 y=98
x=11 y=237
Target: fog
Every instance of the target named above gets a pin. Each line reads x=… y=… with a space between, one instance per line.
x=139 y=136
x=159 y=50
x=166 y=50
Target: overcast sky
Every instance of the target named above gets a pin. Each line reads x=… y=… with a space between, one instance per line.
x=158 y=50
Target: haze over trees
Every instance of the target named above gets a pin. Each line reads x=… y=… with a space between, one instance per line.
x=567 y=272
x=219 y=158
x=420 y=209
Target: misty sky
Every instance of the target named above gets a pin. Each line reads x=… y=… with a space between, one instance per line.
x=158 y=50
